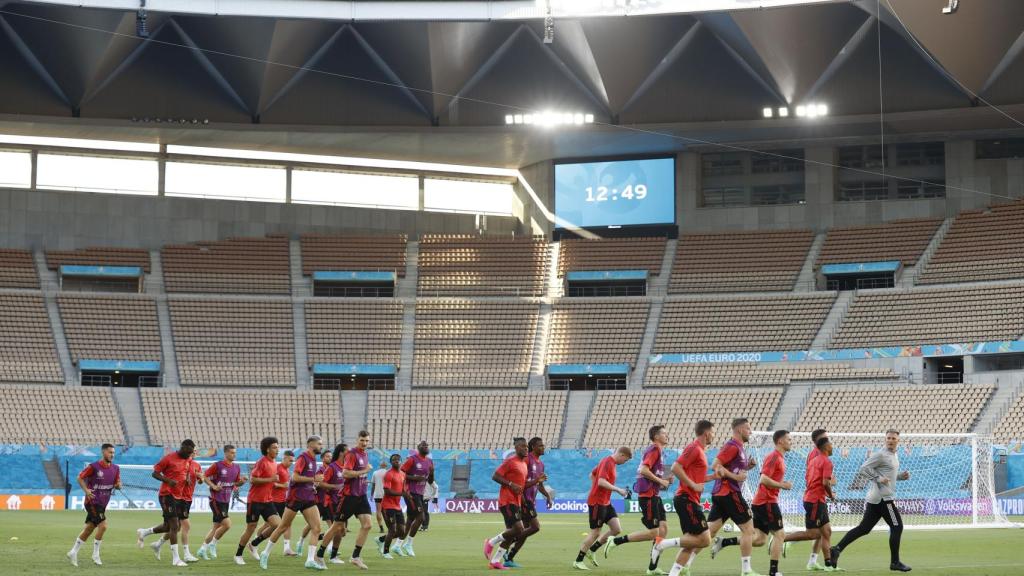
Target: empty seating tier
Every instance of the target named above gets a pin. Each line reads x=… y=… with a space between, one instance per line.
x=1012 y=427
x=597 y=331
x=234 y=342
x=27 y=349
x=740 y=261
x=748 y=373
x=932 y=409
x=110 y=327
x=58 y=415
x=980 y=246
x=622 y=418
x=474 y=344
x=366 y=253
x=463 y=419
x=742 y=324
x=902 y=240
x=611 y=254
x=234 y=266
x=482 y=266
x=213 y=418
x=17 y=270
x=342 y=332
x=98 y=257
x=933 y=316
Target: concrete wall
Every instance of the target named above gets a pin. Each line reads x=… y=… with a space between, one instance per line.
x=68 y=220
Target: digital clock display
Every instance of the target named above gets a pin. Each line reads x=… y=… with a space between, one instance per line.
x=617 y=193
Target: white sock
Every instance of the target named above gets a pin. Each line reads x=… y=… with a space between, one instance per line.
x=693 y=556
x=187 y=551
x=78 y=544
x=408 y=540
x=813 y=559
x=496 y=540
x=666 y=544
x=160 y=543
x=287 y=546
x=675 y=570
x=174 y=554
x=311 y=554
x=327 y=551
x=499 y=552
x=745 y=564
x=147 y=532
x=96 y=547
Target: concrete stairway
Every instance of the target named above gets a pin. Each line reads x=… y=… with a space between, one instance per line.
x=353 y=413
x=133 y=419
x=460 y=479
x=577 y=414
x=792 y=404
x=658 y=286
x=540 y=347
x=54 y=473
x=155 y=281
x=301 y=285
x=823 y=338
x=406 y=287
x=50 y=285
x=806 y=281
x=303 y=379
x=555 y=286
x=1009 y=387
x=636 y=379
x=403 y=381
x=169 y=363
x=909 y=276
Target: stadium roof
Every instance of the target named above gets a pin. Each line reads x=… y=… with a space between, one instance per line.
x=422 y=84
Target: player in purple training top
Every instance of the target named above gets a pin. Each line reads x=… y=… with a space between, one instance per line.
x=535 y=478
x=419 y=471
x=97 y=480
x=223 y=478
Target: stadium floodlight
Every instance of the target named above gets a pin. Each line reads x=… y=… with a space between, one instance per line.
x=783 y=112
x=518 y=118
x=801 y=111
x=822 y=109
x=767 y=112
x=588 y=118
x=508 y=119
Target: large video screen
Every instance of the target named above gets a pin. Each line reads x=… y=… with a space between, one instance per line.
x=617 y=193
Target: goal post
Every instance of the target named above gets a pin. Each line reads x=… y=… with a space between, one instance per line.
x=950 y=486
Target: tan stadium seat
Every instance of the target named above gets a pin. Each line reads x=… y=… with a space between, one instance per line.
x=932 y=316
x=347 y=332
x=233 y=266
x=27 y=349
x=234 y=342
x=980 y=245
x=611 y=254
x=622 y=418
x=17 y=269
x=597 y=331
x=754 y=374
x=742 y=323
x=110 y=327
x=353 y=252
x=902 y=240
x=463 y=419
x=452 y=265
x=763 y=261
x=1011 y=429
x=58 y=415
x=99 y=256
x=214 y=417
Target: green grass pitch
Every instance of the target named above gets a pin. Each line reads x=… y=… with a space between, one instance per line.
x=454 y=546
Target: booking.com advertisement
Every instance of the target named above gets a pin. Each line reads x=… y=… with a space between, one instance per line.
x=620 y=193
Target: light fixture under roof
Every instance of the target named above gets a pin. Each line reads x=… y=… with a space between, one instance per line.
x=549 y=118
x=767 y=112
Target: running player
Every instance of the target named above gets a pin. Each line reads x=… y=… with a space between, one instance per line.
x=650 y=481
x=321 y=498
x=511 y=475
x=301 y=500
x=691 y=468
x=395 y=490
x=305 y=530
x=767 y=514
x=223 y=478
x=430 y=497
x=192 y=476
x=819 y=486
x=727 y=503
x=377 y=489
x=535 y=478
x=419 y=471
x=170 y=471
x=599 y=505
x=812 y=561
x=882 y=469
x=332 y=485
x=261 y=497
x=355 y=470
x=98 y=480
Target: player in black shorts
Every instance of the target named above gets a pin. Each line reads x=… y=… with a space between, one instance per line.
x=599 y=509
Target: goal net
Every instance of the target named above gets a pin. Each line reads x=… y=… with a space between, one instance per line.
x=139 y=489
x=950 y=483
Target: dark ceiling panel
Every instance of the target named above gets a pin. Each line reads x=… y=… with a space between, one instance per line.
x=781 y=38
x=458 y=50
x=1008 y=87
x=165 y=79
x=345 y=86
x=24 y=91
x=524 y=76
x=405 y=47
x=704 y=82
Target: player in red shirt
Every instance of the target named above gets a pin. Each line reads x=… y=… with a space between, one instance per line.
x=279 y=496
x=820 y=479
x=171 y=472
x=193 y=474
x=98 y=480
x=812 y=561
x=691 y=468
x=599 y=505
x=395 y=490
x=511 y=475
x=535 y=478
x=650 y=481
x=727 y=503
x=767 y=514
x=261 y=497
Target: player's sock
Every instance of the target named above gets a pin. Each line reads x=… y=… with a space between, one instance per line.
x=174 y=554
x=147 y=532
x=498 y=554
x=730 y=542
x=257 y=541
x=311 y=554
x=693 y=556
x=676 y=569
x=287 y=546
x=745 y=564
x=581 y=555
x=320 y=552
x=357 y=551
x=334 y=553
x=773 y=567
x=96 y=547
x=667 y=543
x=494 y=541
x=77 y=546
x=619 y=540
x=595 y=546
x=240 y=549
x=813 y=559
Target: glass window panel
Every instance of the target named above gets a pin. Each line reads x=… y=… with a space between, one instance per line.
x=225 y=181
x=97 y=174
x=347 y=188
x=467 y=196
x=15 y=169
